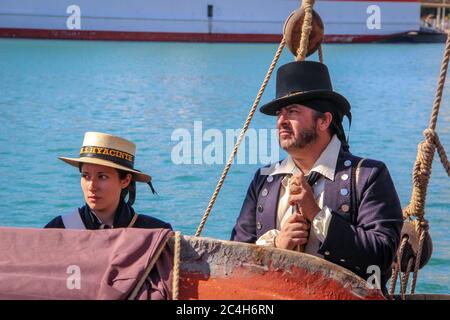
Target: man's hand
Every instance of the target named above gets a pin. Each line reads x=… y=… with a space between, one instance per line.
x=302 y=196
x=294 y=233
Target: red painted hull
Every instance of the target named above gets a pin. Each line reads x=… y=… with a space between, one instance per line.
x=172 y=36
x=213 y=269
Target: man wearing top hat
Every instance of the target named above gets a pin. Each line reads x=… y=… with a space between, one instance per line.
x=340 y=207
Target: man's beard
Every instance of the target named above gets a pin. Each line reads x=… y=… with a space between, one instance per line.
x=300 y=140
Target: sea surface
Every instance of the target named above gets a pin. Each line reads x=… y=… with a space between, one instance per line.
x=52 y=92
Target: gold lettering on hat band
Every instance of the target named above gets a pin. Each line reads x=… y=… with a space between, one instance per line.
x=117 y=156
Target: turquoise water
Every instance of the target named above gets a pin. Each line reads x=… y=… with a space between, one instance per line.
x=51 y=92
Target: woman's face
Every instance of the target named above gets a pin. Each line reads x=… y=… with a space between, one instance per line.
x=102 y=187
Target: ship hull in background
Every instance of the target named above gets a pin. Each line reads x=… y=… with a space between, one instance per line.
x=201 y=20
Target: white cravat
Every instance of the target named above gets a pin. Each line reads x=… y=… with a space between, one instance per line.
x=325 y=165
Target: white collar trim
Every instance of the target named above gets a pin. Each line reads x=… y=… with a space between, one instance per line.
x=325 y=164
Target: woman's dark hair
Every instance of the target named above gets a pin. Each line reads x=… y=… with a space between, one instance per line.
x=129 y=191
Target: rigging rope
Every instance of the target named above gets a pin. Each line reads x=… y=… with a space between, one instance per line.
x=176 y=266
x=240 y=138
x=301 y=54
x=306 y=29
x=421 y=178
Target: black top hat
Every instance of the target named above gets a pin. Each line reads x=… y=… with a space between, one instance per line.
x=303 y=81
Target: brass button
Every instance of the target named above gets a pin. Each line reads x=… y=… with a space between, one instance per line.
x=327 y=253
x=345 y=208
x=264 y=192
x=344 y=192
x=258 y=225
x=260 y=208
x=347 y=163
x=344 y=177
x=269 y=179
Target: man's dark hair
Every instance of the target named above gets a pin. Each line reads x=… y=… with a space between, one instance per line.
x=321 y=115
x=333 y=129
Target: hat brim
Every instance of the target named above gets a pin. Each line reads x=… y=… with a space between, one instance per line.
x=138 y=176
x=275 y=105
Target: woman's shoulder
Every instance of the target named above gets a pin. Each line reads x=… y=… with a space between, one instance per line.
x=144 y=221
x=56 y=223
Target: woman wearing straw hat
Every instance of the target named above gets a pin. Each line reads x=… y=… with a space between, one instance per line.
x=108 y=177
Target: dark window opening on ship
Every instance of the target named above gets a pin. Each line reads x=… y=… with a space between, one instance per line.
x=210 y=10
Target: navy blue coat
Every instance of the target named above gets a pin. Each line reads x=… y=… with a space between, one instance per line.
x=122 y=219
x=365 y=226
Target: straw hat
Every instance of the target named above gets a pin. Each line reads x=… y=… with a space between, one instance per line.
x=110 y=151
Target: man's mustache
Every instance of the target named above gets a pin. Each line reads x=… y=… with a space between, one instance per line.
x=285 y=127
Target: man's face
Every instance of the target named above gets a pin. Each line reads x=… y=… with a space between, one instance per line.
x=296 y=126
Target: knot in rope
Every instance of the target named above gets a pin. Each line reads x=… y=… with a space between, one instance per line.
x=433 y=138
x=421 y=177
x=421 y=226
x=422 y=172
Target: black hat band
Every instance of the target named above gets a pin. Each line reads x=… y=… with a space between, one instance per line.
x=117 y=156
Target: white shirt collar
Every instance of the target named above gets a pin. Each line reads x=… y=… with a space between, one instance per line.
x=325 y=164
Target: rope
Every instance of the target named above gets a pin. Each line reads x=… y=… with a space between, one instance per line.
x=302 y=50
x=149 y=268
x=405 y=278
x=320 y=52
x=427 y=148
x=422 y=169
x=433 y=138
x=422 y=172
x=393 y=281
x=442 y=155
x=176 y=266
x=240 y=138
x=133 y=221
x=423 y=229
x=442 y=75
x=421 y=177
x=398 y=265
x=425 y=154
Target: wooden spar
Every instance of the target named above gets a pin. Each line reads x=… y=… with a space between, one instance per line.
x=214 y=269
